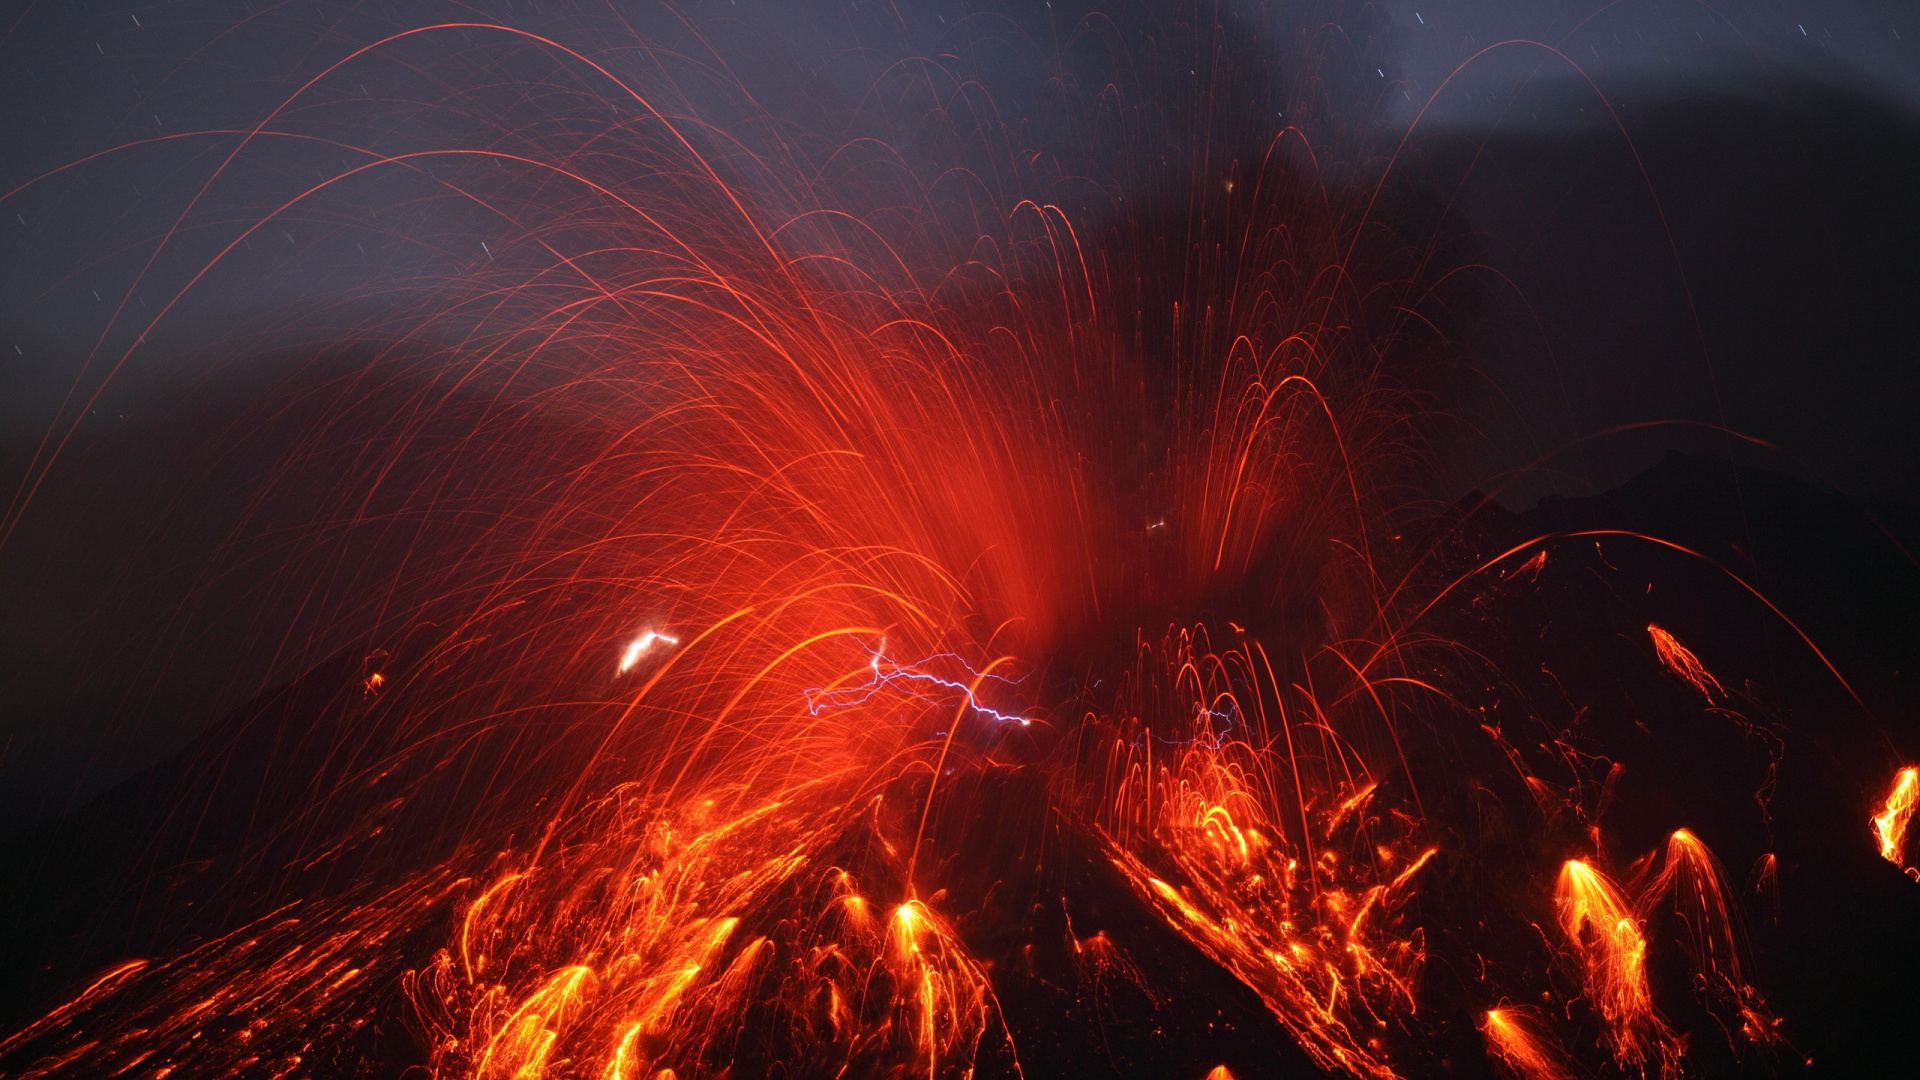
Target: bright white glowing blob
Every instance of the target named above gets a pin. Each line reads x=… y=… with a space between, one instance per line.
x=638 y=648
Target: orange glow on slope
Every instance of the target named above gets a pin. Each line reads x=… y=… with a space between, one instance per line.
x=1890 y=824
x=1513 y=1041
x=1297 y=915
x=1682 y=662
x=1607 y=936
x=666 y=965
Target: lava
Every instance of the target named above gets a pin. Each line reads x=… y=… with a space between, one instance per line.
x=1513 y=1039
x=1607 y=935
x=1682 y=662
x=1890 y=824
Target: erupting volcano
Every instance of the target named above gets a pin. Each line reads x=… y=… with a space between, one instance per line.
x=886 y=580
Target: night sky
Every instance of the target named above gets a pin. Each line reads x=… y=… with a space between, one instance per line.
x=1710 y=221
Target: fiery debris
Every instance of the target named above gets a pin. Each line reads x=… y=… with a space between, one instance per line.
x=1607 y=936
x=1890 y=824
x=1274 y=892
x=1514 y=1040
x=1693 y=885
x=1682 y=662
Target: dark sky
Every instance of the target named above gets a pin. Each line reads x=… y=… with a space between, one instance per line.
x=1710 y=221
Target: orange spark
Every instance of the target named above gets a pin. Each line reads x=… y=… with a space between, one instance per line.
x=1608 y=938
x=1692 y=878
x=1692 y=881
x=1312 y=932
x=1890 y=824
x=1512 y=1041
x=1682 y=662
x=1532 y=567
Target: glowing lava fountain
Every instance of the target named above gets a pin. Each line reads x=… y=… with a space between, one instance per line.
x=820 y=470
